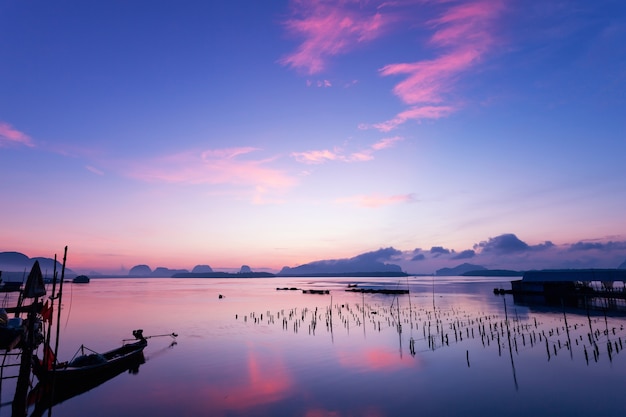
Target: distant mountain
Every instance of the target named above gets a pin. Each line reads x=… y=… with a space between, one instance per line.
x=356 y=265
x=13 y=265
x=162 y=272
x=140 y=271
x=245 y=269
x=459 y=270
x=223 y=275
x=493 y=273
x=622 y=266
x=159 y=272
x=200 y=269
x=14 y=261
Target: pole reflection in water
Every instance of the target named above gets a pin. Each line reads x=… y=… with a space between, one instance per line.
x=47 y=394
x=257 y=351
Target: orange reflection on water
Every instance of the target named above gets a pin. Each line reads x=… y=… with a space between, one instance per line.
x=268 y=381
x=377 y=359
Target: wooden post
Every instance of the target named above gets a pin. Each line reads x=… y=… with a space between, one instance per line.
x=23 y=379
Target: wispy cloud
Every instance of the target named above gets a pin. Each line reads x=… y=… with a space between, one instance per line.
x=319 y=83
x=329 y=28
x=94 y=170
x=376 y=200
x=316 y=157
x=214 y=167
x=463 y=34
x=386 y=143
x=414 y=113
x=10 y=135
x=338 y=154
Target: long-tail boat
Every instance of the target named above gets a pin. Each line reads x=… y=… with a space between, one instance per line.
x=90 y=365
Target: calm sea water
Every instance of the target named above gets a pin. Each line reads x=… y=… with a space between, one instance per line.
x=450 y=348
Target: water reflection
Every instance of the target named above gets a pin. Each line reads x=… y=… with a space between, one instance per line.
x=449 y=347
x=46 y=394
x=582 y=337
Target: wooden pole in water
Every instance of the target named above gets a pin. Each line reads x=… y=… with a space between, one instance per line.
x=46 y=351
x=332 y=337
x=19 y=406
x=569 y=341
x=33 y=289
x=410 y=307
x=56 y=341
x=508 y=334
x=363 y=307
x=60 y=296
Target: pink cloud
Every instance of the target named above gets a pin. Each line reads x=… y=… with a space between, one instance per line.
x=375 y=200
x=329 y=28
x=315 y=157
x=362 y=156
x=469 y=22
x=386 y=143
x=428 y=81
x=214 y=167
x=367 y=154
x=10 y=135
x=414 y=113
x=465 y=33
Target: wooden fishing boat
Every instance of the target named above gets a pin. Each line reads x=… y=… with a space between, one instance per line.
x=47 y=393
x=90 y=365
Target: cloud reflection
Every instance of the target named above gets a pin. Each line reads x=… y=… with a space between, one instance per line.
x=267 y=381
x=376 y=359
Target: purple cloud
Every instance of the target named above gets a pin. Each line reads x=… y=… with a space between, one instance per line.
x=509 y=243
x=10 y=135
x=439 y=250
x=503 y=244
x=380 y=255
x=466 y=254
x=417 y=255
x=608 y=246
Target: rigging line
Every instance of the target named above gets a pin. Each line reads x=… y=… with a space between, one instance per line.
x=67 y=319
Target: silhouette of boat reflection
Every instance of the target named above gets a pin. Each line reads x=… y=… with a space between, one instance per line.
x=83 y=374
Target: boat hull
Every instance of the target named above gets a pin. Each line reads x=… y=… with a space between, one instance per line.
x=83 y=372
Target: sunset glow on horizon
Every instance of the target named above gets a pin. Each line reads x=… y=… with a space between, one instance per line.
x=275 y=134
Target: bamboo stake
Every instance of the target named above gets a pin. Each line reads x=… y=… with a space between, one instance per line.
x=56 y=342
x=46 y=351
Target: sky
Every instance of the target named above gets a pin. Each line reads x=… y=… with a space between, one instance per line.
x=426 y=133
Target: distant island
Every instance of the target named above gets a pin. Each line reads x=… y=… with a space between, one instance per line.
x=270 y=275
x=469 y=270
x=223 y=275
x=14 y=266
x=459 y=270
x=493 y=273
